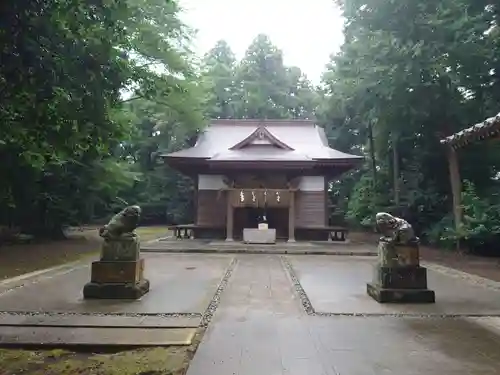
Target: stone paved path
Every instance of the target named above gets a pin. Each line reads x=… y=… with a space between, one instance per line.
x=262 y=328
x=280 y=314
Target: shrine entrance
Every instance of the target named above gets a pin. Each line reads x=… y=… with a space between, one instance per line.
x=246 y=207
x=250 y=217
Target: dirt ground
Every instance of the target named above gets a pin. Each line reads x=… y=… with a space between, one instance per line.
x=173 y=360
x=487 y=267
x=85 y=243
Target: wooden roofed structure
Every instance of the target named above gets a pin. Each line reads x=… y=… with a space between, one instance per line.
x=488 y=129
x=244 y=168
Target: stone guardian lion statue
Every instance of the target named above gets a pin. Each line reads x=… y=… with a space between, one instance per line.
x=123 y=224
x=394 y=229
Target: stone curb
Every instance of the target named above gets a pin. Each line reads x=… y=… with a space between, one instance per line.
x=299 y=291
x=214 y=302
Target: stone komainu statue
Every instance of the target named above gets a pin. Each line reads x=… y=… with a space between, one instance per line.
x=122 y=224
x=395 y=229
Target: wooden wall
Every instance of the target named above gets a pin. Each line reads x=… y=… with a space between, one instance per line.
x=310 y=205
x=211 y=208
x=310 y=209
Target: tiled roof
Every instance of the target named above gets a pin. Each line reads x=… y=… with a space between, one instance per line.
x=487 y=129
x=305 y=140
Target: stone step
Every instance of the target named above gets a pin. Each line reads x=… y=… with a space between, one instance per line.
x=192 y=246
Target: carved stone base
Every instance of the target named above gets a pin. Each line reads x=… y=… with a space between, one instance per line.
x=383 y=295
x=121 y=248
x=117 y=271
x=397 y=255
x=115 y=290
x=117 y=280
x=398 y=277
x=408 y=277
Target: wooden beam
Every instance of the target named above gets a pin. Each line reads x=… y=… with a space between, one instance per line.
x=456 y=186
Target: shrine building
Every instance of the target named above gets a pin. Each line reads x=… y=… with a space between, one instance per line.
x=249 y=171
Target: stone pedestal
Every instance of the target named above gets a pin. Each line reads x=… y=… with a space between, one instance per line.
x=259 y=236
x=119 y=274
x=398 y=276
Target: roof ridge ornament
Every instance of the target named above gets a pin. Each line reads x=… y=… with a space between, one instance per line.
x=260 y=133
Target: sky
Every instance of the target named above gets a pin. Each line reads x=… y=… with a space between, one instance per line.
x=307 y=31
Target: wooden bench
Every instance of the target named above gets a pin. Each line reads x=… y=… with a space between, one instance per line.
x=187 y=231
x=182 y=231
x=338 y=233
x=322 y=233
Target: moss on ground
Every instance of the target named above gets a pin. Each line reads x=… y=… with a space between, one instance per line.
x=20 y=361
x=172 y=360
x=151 y=233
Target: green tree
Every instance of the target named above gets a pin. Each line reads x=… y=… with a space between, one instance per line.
x=263 y=81
x=258 y=86
x=64 y=67
x=414 y=83
x=219 y=77
x=164 y=194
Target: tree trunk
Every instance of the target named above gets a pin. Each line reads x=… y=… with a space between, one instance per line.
x=372 y=154
x=395 y=170
x=374 y=162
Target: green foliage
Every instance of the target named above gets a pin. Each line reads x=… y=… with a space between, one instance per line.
x=480 y=228
x=65 y=65
x=219 y=79
x=258 y=86
x=366 y=200
x=73 y=148
x=414 y=84
x=164 y=194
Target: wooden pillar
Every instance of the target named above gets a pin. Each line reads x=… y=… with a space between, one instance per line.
x=456 y=187
x=229 y=217
x=195 y=200
x=327 y=203
x=291 y=218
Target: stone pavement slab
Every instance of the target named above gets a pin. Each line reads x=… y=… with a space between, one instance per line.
x=180 y=283
x=261 y=327
x=248 y=332
x=337 y=285
x=12 y=335
x=95 y=321
x=406 y=346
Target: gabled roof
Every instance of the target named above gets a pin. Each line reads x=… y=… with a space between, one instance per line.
x=286 y=140
x=259 y=137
